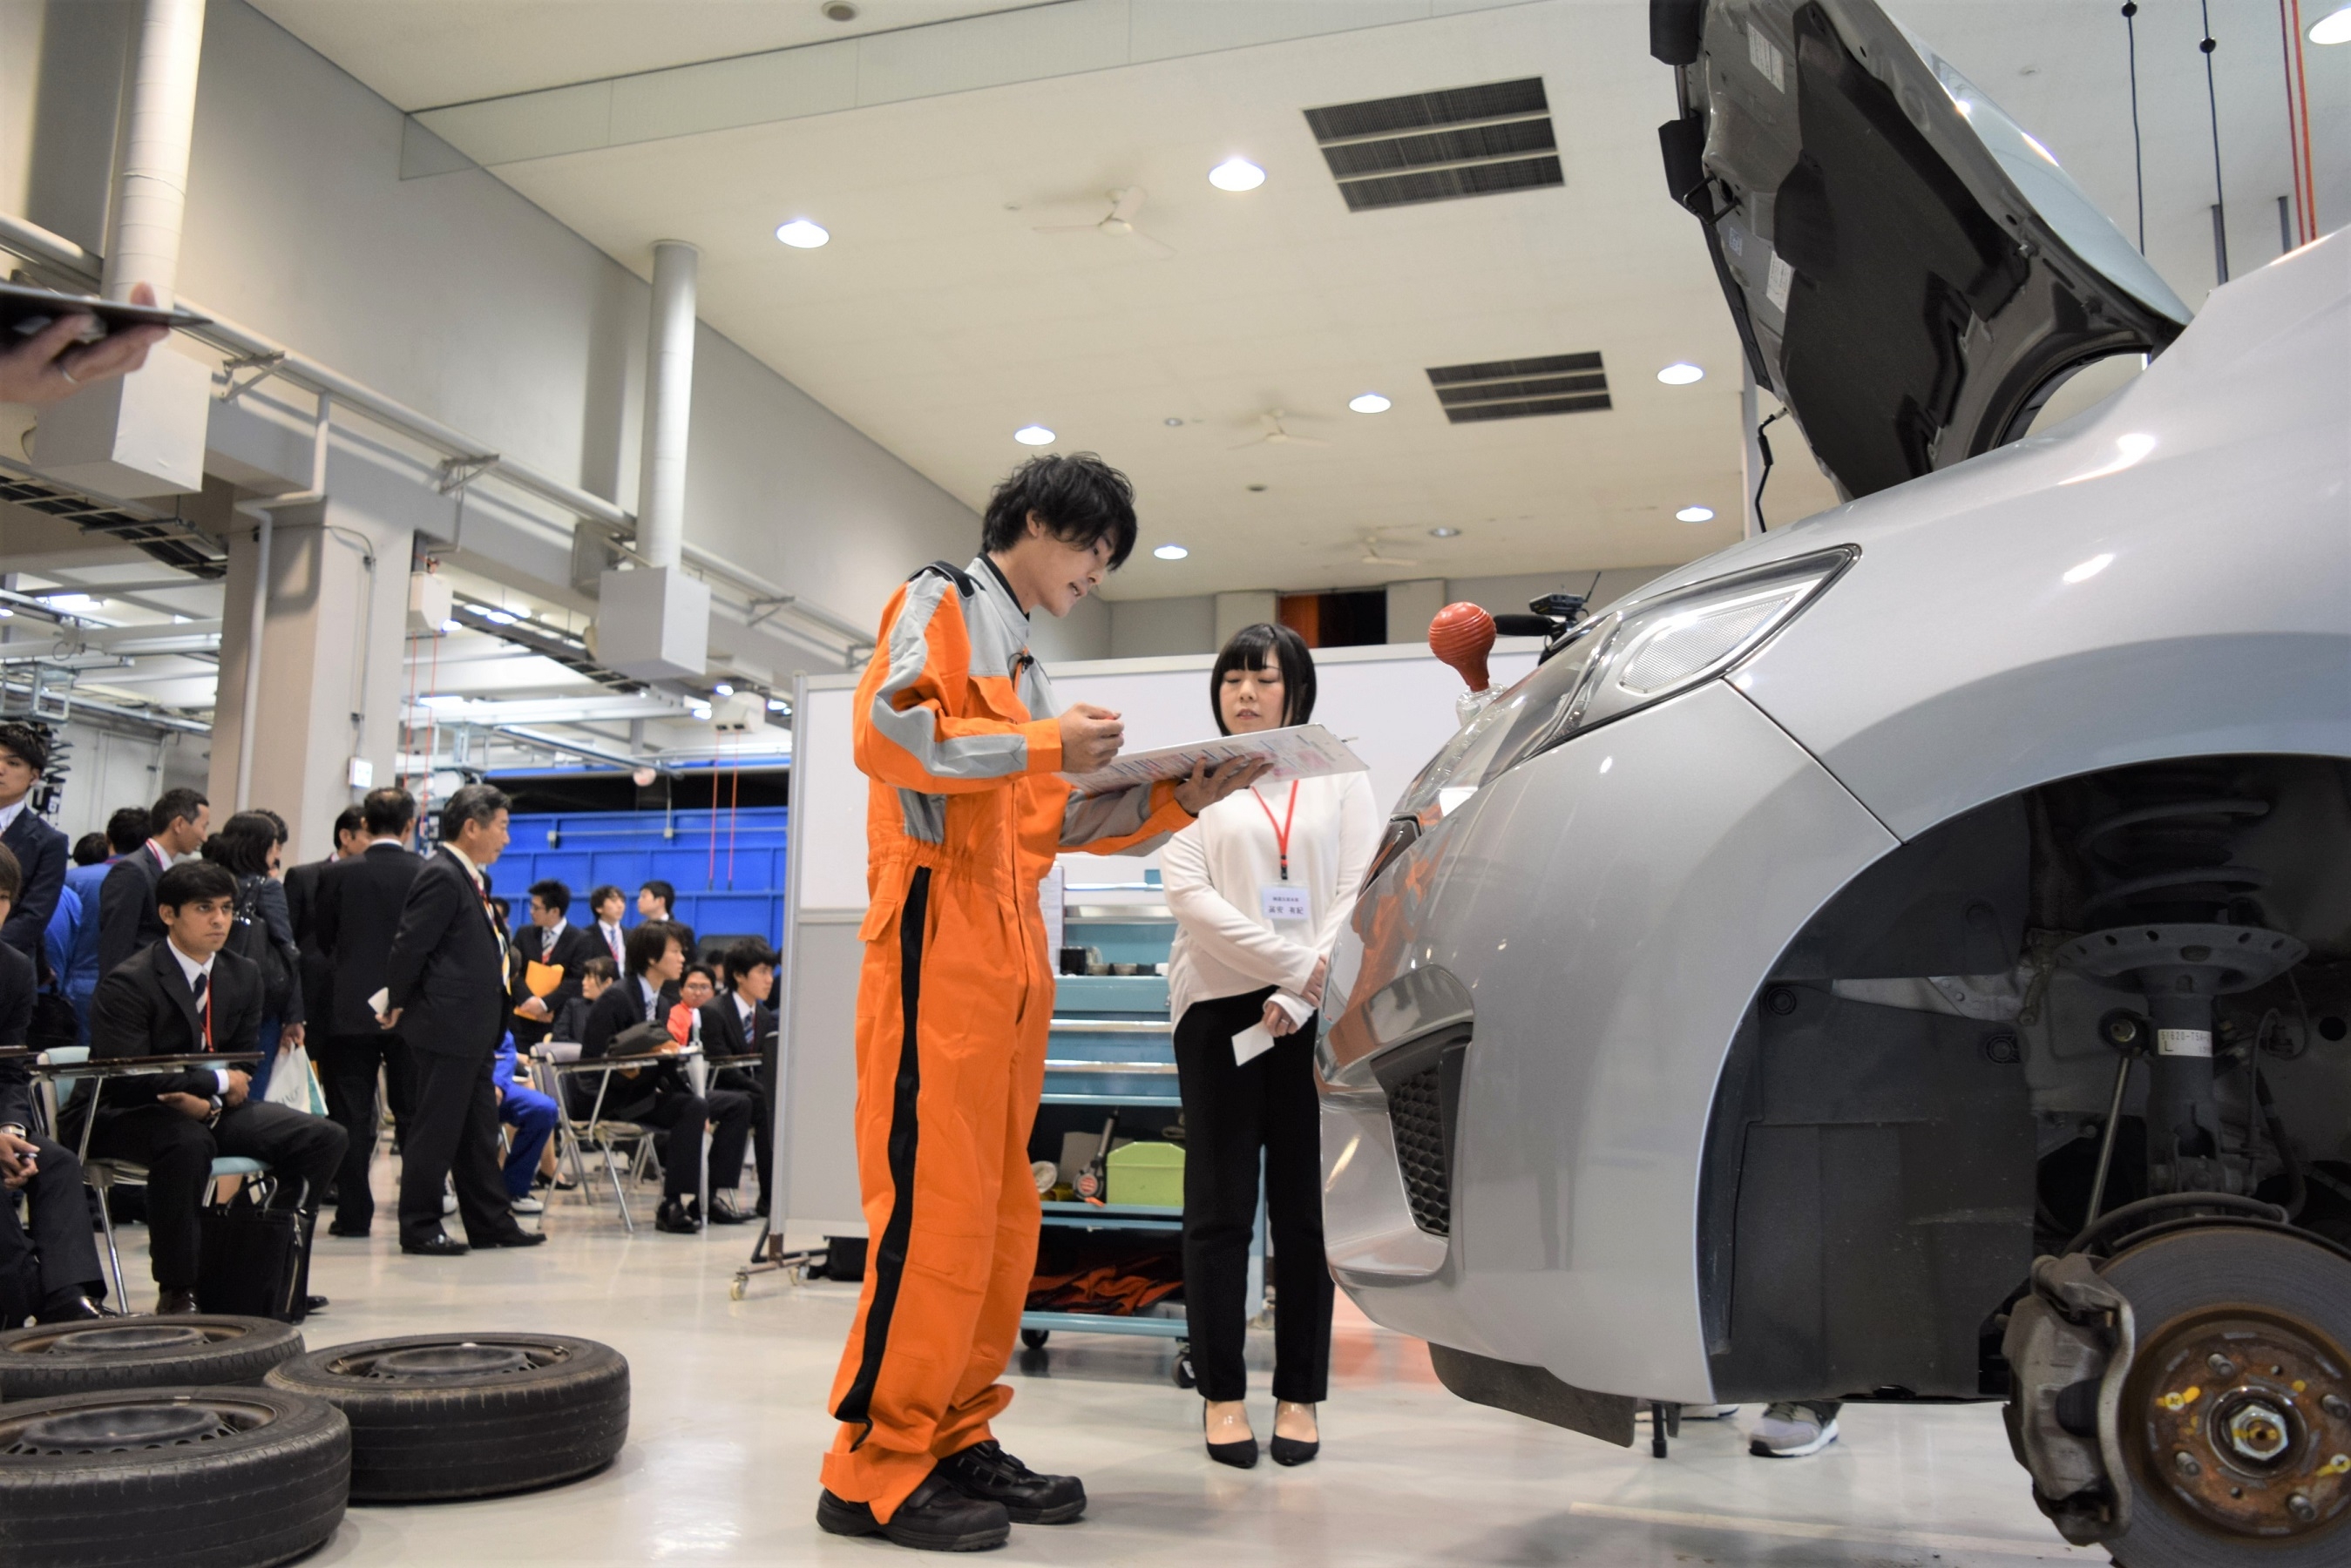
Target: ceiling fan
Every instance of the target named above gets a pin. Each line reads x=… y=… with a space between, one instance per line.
x=1372 y=556
x=1118 y=224
x=1273 y=434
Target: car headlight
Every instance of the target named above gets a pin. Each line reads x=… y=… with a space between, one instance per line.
x=1615 y=665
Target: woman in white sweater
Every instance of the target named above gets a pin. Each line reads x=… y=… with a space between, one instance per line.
x=1260 y=887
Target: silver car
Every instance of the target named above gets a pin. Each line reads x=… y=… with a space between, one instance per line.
x=1907 y=955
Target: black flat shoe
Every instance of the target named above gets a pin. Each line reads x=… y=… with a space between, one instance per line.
x=1241 y=1456
x=675 y=1217
x=986 y=1472
x=358 y=1235
x=315 y=1303
x=934 y=1518
x=515 y=1238
x=76 y=1307
x=724 y=1213
x=1290 y=1451
x=442 y=1245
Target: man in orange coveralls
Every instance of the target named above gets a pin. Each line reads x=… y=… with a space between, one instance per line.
x=958 y=731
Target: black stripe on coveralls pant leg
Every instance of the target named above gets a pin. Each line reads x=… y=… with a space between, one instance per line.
x=889 y=1260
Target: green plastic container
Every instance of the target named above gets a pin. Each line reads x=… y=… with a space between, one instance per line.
x=1148 y=1173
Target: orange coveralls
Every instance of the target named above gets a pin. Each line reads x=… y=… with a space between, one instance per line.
x=964 y=816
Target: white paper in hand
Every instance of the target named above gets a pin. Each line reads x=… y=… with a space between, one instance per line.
x=1250 y=1044
x=381 y=1001
x=1300 y=752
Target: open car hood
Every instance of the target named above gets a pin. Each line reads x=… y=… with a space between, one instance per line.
x=1911 y=273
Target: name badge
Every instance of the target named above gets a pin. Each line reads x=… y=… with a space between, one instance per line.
x=1285 y=903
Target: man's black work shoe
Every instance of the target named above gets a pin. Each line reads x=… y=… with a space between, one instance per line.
x=675 y=1217
x=986 y=1472
x=934 y=1518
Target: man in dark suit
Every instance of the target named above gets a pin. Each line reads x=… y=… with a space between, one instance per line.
x=302 y=910
x=353 y=917
x=739 y=1023
x=659 y=1096
x=52 y=1274
x=40 y=849
x=657 y=900
x=186 y=996
x=549 y=939
x=447 y=979
x=127 y=917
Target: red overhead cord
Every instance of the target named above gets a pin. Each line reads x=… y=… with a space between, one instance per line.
x=2297 y=109
x=734 y=807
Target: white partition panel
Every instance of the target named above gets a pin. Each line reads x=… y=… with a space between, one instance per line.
x=1394 y=705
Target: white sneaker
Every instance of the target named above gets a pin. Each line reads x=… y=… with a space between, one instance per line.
x=1791 y=1428
x=527 y=1205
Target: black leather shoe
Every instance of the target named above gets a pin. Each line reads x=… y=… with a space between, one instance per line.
x=934 y=1518
x=352 y=1233
x=442 y=1245
x=674 y=1217
x=517 y=1237
x=724 y=1213
x=168 y=1303
x=315 y=1303
x=986 y=1472
x=76 y=1307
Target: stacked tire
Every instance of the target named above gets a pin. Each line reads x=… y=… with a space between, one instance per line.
x=218 y=1442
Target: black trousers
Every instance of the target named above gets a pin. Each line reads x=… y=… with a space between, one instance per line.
x=1231 y=1116
x=55 y=1256
x=302 y=1150
x=681 y=1115
x=454 y=1133
x=347 y=1066
x=753 y=1086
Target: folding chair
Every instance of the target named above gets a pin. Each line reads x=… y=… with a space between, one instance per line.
x=592 y=1130
x=102 y=1175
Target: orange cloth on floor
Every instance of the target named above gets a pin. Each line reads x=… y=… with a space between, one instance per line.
x=964 y=816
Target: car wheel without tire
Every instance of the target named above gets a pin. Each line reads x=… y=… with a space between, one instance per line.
x=2235 y=1420
x=171 y=1478
x=182 y=1350
x=439 y=1415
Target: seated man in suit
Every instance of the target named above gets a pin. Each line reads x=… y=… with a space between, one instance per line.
x=184 y=996
x=127 y=921
x=658 y=1096
x=39 y=849
x=51 y=1274
x=657 y=900
x=549 y=939
x=739 y=1023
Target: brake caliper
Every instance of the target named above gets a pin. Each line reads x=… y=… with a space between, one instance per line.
x=2069 y=1346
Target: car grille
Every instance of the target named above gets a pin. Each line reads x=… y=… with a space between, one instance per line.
x=1416 y=1114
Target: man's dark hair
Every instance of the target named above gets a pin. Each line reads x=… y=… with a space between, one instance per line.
x=389 y=813
x=741 y=957
x=126 y=830
x=476 y=802
x=599 y=968
x=92 y=847
x=12 y=875
x=244 y=843
x=665 y=893
x=598 y=894
x=553 y=894
x=180 y=805
x=647 y=943
x=191 y=881
x=1248 y=650
x=502 y=909
x=1081 y=499
x=350 y=819
x=704 y=969
x=29 y=746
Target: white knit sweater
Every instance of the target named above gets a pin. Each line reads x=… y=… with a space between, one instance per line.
x=1215 y=872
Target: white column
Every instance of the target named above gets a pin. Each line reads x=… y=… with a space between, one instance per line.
x=151 y=181
x=669 y=404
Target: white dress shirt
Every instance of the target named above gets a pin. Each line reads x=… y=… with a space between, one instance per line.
x=13 y=810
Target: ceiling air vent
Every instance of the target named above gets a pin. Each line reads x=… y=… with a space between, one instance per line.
x=1517 y=388
x=1436 y=146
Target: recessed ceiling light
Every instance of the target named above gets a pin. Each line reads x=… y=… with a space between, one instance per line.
x=723 y=689
x=1171 y=422
x=839 y=11
x=1368 y=404
x=1696 y=514
x=1444 y=533
x=802 y=235
x=1255 y=488
x=1236 y=175
x=1171 y=552
x=1033 y=435
x=2333 y=28
x=1680 y=373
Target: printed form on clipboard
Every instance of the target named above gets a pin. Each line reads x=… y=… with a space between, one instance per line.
x=1300 y=752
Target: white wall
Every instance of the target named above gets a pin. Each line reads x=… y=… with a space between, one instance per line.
x=108 y=769
x=1083 y=633
x=456 y=296
x=1145 y=629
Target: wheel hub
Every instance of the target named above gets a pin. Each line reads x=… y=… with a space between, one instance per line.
x=467 y=1360
x=115 y=1429
x=2246 y=1421
x=142 y=1336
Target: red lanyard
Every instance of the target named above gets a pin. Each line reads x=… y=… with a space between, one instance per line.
x=1281 y=828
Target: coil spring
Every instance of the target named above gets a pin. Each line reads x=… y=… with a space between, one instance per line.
x=2169 y=853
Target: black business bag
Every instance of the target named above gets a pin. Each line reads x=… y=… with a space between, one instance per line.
x=251 y=1266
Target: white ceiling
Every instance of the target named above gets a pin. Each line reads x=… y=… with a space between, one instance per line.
x=937 y=320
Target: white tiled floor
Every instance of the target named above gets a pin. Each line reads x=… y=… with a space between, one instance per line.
x=727 y=1423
